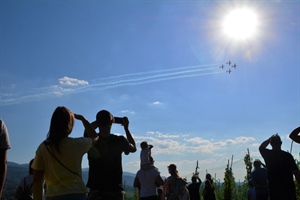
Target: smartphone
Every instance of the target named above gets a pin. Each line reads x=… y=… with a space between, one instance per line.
x=118 y=120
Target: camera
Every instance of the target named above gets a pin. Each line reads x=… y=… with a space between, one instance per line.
x=118 y=120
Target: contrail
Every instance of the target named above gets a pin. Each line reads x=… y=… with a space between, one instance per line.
x=130 y=79
x=143 y=78
x=159 y=71
x=140 y=81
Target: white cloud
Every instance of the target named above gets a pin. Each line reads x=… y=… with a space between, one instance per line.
x=128 y=111
x=244 y=140
x=58 y=90
x=150 y=133
x=156 y=103
x=72 y=81
x=238 y=140
x=197 y=140
x=166 y=143
x=212 y=155
x=166 y=135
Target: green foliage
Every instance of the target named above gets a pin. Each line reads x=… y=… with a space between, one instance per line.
x=218 y=189
x=248 y=164
x=241 y=191
x=9 y=193
x=136 y=194
x=229 y=184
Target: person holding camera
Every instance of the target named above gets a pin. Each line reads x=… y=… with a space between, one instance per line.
x=57 y=161
x=105 y=159
x=281 y=168
x=145 y=155
x=194 y=187
x=209 y=188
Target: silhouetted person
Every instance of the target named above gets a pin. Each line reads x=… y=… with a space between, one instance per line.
x=4 y=146
x=209 y=189
x=175 y=186
x=105 y=160
x=294 y=135
x=147 y=180
x=58 y=159
x=194 y=188
x=260 y=181
x=281 y=167
x=145 y=155
x=26 y=182
x=251 y=191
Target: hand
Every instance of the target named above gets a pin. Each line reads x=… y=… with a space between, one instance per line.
x=125 y=122
x=79 y=117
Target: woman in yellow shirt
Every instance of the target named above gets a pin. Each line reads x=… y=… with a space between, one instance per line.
x=58 y=158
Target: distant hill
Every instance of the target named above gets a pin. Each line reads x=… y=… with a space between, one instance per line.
x=16 y=172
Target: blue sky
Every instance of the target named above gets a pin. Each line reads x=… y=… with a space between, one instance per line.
x=156 y=62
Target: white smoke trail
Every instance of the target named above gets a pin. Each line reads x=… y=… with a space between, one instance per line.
x=106 y=83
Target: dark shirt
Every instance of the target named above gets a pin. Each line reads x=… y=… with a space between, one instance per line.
x=194 y=190
x=210 y=191
x=260 y=180
x=105 y=163
x=280 y=177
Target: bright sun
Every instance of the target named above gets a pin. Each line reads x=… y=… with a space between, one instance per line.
x=240 y=24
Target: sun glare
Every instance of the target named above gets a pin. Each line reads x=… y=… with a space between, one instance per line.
x=240 y=24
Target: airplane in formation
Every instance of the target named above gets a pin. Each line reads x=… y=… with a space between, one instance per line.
x=229 y=63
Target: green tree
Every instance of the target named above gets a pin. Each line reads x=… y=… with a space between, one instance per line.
x=218 y=189
x=229 y=183
x=241 y=189
x=136 y=194
x=248 y=163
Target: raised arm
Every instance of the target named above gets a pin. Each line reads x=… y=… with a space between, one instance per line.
x=128 y=134
x=262 y=164
x=199 y=179
x=264 y=145
x=294 y=135
x=89 y=130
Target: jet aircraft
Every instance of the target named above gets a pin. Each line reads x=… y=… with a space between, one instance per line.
x=229 y=63
x=221 y=66
x=234 y=66
x=229 y=71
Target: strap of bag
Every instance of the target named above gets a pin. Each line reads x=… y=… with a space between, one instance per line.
x=61 y=162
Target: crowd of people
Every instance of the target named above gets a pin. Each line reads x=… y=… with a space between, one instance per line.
x=55 y=172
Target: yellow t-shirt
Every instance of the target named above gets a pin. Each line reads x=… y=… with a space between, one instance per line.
x=59 y=180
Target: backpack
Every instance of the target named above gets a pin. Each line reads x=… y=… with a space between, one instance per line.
x=176 y=190
x=26 y=193
x=180 y=185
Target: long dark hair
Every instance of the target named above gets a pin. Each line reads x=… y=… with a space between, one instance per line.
x=61 y=126
x=30 y=170
x=208 y=177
